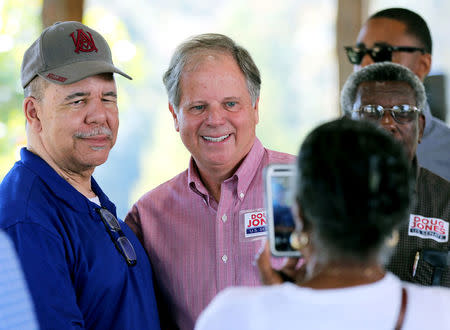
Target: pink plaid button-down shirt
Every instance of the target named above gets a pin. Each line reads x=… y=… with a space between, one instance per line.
x=197 y=246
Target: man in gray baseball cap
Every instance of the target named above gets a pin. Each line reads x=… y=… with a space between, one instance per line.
x=67 y=52
x=84 y=267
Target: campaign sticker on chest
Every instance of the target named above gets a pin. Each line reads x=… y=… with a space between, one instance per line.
x=254 y=223
x=432 y=228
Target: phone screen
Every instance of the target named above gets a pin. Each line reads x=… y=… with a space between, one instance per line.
x=279 y=184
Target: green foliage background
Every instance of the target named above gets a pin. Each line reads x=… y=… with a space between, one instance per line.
x=20 y=23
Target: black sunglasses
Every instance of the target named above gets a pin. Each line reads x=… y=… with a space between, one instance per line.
x=402 y=114
x=122 y=243
x=379 y=52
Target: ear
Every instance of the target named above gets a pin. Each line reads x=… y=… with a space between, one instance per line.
x=256 y=107
x=424 y=66
x=175 y=117
x=422 y=123
x=31 y=110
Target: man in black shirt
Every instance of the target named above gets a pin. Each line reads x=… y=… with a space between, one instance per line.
x=393 y=97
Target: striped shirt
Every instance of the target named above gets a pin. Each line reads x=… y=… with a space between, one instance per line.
x=196 y=245
x=16 y=308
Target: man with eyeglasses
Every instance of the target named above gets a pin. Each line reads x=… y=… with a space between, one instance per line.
x=84 y=268
x=391 y=96
x=401 y=36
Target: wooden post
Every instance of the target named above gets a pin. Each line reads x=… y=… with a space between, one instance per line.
x=350 y=17
x=61 y=10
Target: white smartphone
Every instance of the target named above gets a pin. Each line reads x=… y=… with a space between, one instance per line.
x=279 y=182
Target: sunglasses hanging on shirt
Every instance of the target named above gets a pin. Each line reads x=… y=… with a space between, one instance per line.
x=122 y=243
x=380 y=52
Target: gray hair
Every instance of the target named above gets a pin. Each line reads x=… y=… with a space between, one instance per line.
x=384 y=71
x=205 y=43
x=36 y=88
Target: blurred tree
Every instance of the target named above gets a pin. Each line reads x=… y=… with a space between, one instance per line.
x=17 y=28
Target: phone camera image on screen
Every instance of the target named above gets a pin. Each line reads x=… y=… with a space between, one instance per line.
x=282 y=217
x=279 y=182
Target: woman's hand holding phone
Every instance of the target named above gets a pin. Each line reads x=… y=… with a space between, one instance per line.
x=294 y=270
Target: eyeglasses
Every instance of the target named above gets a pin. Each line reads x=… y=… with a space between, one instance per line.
x=379 y=53
x=402 y=114
x=122 y=243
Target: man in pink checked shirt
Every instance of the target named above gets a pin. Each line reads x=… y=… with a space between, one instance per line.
x=203 y=228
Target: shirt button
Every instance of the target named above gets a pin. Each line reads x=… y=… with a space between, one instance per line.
x=224 y=258
x=241 y=195
x=224 y=218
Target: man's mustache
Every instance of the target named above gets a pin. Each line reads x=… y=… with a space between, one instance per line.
x=94 y=132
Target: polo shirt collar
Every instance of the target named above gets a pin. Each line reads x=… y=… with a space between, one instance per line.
x=61 y=188
x=244 y=174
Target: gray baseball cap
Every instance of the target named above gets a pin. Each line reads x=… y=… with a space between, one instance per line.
x=67 y=52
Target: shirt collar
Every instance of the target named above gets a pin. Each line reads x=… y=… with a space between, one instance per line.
x=415 y=166
x=61 y=188
x=194 y=181
x=244 y=174
x=248 y=169
x=426 y=111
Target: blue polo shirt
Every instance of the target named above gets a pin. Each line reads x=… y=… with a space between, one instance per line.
x=76 y=276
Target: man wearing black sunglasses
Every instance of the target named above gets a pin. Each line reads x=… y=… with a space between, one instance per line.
x=401 y=36
x=84 y=268
x=393 y=97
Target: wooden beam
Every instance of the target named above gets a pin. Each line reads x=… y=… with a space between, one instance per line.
x=61 y=10
x=350 y=17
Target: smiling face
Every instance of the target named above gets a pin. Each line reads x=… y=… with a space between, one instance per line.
x=75 y=126
x=388 y=94
x=392 y=32
x=215 y=118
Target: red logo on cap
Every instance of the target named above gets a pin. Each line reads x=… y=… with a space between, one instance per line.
x=83 y=42
x=56 y=77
